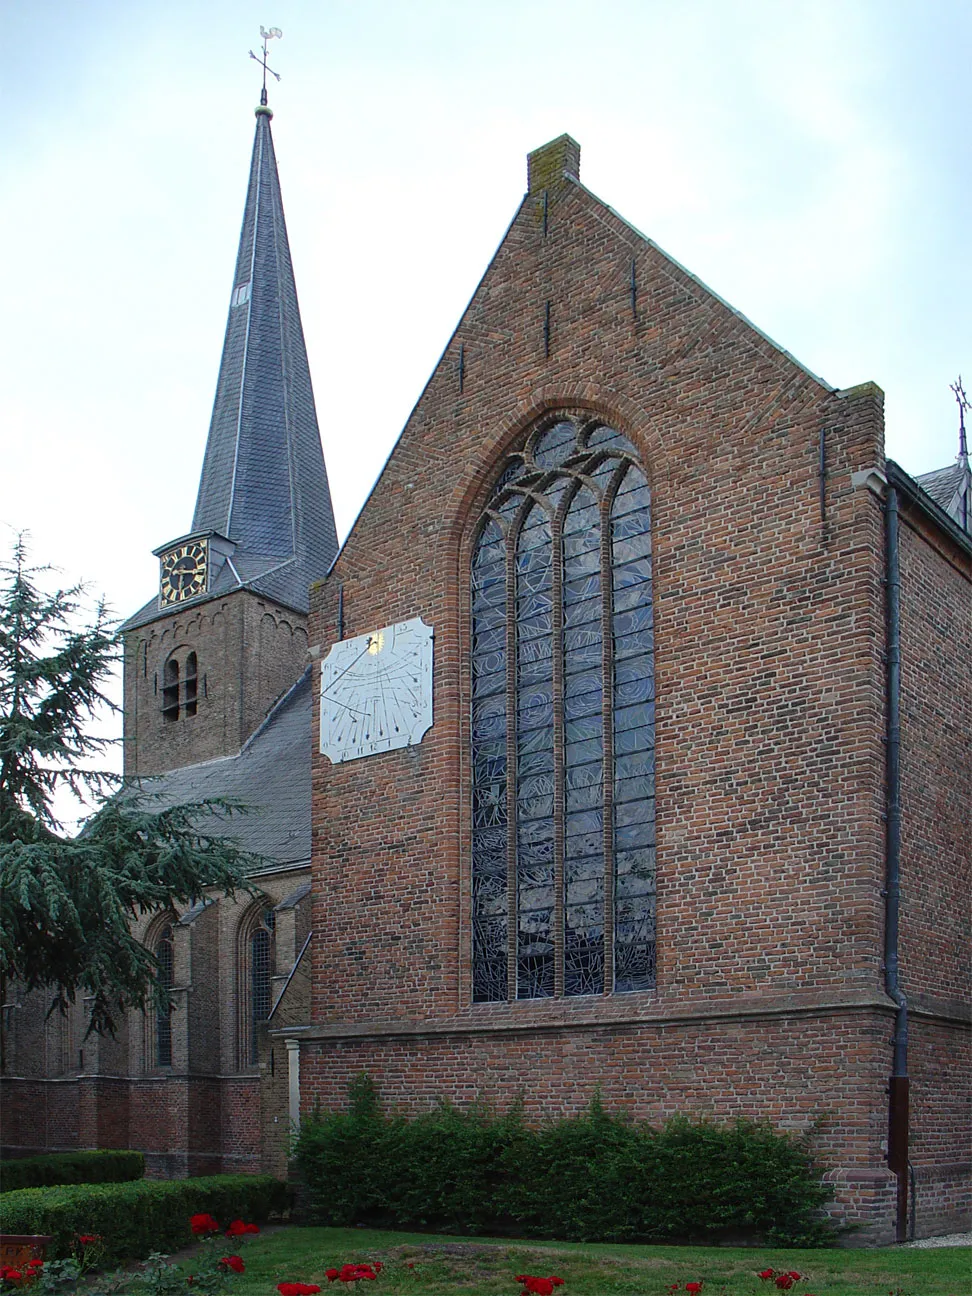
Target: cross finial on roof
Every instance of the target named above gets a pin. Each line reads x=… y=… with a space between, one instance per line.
x=268 y=35
x=963 y=404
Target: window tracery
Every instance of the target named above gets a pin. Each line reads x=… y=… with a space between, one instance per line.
x=563 y=845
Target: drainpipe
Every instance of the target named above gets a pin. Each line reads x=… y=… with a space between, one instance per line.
x=898 y=1087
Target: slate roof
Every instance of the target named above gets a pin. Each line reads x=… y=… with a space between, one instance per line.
x=271 y=775
x=944 y=486
x=263 y=482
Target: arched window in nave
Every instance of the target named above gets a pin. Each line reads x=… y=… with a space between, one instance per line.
x=163 y=1016
x=563 y=815
x=255 y=967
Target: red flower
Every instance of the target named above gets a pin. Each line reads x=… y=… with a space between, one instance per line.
x=297 y=1289
x=784 y=1281
x=232 y=1262
x=794 y=1275
x=350 y=1273
x=238 y=1228
x=12 y=1275
x=766 y=1273
x=537 y=1286
x=88 y=1239
x=693 y=1287
x=410 y=1264
x=203 y=1224
x=331 y=1274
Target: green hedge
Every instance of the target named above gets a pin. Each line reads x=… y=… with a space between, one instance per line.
x=71 y=1168
x=590 y=1177
x=135 y=1219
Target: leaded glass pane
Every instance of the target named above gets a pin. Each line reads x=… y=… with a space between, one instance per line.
x=489 y=756
x=608 y=438
x=512 y=470
x=583 y=725
x=555 y=445
x=534 y=735
x=634 y=717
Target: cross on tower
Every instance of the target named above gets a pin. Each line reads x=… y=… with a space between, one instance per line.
x=963 y=404
x=267 y=36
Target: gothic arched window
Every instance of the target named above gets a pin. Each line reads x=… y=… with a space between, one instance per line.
x=163 y=1016
x=256 y=963
x=563 y=745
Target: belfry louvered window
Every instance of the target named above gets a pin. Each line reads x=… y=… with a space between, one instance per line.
x=563 y=722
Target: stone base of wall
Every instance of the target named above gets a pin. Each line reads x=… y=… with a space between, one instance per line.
x=185 y=1125
x=943 y=1199
x=755 y=1067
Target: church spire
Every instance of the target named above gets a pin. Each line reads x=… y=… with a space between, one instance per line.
x=263 y=483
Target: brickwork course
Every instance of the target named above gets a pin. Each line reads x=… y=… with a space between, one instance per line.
x=769 y=495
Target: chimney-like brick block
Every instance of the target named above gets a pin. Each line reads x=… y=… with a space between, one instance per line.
x=550 y=165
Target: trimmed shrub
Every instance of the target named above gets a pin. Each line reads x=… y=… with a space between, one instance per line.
x=71 y=1168
x=135 y=1219
x=593 y=1177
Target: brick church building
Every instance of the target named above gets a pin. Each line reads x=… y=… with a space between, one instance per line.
x=624 y=742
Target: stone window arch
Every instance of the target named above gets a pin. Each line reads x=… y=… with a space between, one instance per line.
x=256 y=958
x=563 y=742
x=180 y=685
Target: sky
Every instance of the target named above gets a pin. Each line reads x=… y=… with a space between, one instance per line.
x=810 y=162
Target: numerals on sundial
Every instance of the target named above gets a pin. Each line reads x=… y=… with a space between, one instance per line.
x=376 y=691
x=183 y=571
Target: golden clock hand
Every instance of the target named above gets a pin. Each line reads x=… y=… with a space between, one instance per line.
x=349 y=666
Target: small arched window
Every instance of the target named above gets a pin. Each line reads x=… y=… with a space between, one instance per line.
x=180 y=685
x=163 y=1016
x=255 y=979
x=170 y=690
x=563 y=813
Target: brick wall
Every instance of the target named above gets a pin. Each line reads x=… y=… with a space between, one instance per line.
x=770 y=715
x=202 y=1115
x=936 y=864
x=249 y=652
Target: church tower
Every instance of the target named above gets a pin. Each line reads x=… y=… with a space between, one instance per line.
x=225 y=634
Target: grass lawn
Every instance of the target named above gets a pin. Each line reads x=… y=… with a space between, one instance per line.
x=486 y=1266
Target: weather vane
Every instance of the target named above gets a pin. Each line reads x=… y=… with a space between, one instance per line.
x=963 y=404
x=274 y=32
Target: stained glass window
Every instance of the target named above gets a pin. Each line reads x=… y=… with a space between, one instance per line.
x=563 y=813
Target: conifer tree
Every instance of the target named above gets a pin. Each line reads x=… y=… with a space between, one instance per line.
x=69 y=902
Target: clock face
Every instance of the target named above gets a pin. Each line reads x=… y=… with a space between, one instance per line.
x=183 y=572
x=376 y=691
